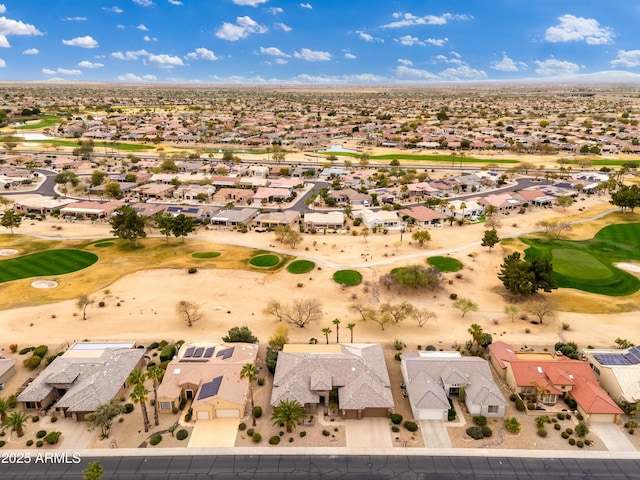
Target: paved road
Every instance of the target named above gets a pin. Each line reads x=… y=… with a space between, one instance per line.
x=366 y=467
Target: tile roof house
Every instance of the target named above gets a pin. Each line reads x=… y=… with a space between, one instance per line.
x=357 y=372
x=208 y=374
x=423 y=215
x=432 y=377
x=83 y=378
x=324 y=221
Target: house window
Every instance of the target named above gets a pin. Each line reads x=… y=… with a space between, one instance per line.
x=527 y=390
x=165 y=405
x=549 y=399
x=493 y=409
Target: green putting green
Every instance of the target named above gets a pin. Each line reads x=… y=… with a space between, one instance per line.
x=300 y=266
x=445 y=264
x=575 y=263
x=205 y=254
x=49 y=262
x=347 y=277
x=265 y=260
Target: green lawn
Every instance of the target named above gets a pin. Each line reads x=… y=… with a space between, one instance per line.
x=588 y=264
x=205 y=254
x=49 y=262
x=300 y=266
x=45 y=122
x=423 y=158
x=445 y=264
x=347 y=277
x=131 y=147
x=268 y=260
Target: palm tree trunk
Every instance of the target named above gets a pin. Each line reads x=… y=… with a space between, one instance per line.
x=145 y=416
x=155 y=403
x=253 y=411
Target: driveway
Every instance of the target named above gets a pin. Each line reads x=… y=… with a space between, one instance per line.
x=368 y=433
x=220 y=432
x=613 y=438
x=435 y=434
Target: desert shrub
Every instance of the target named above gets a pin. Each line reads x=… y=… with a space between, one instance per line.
x=631 y=430
x=531 y=406
x=582 y=429
x=561 y=416
x=580 y=444
x=26 y=350
x=395 y=428
x=101 y=304
x=29 y=443
x=41 y=433
x=154 y=345
x=486 y=431
x=275 y=440
x=128 y=408
x=35 y=418
x=182 y=434
x=557 y=426
x=303 y=433
x=475 y=432
x=156 y=438
x=480 y=420
x=519 y=404
x=396 y=418
x=192 y=270
x=168 y=352
x=572 y=441
x=32 y=362
x=398 y=344
x=398 y=356
x=569 y=430
x=512 y=425
x=250 y=432
x=568 y=416
x=290 y=439
x=513 y=397
x=257 y=411
x=451 y=414
x=260 y=381
x=564 y=435
x=411 y=426
x=39 y=443
x=541 y=420
x=580 y=417
x=13 y=347
x=53 y=419
x=52 y=437
x=326 y=433
x=256 y=437
x=542 y=432
x=242 y=426
x=587 y=441
x=40 y=351
x=554 y=420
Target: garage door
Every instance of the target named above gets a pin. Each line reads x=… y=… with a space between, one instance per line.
x=431 y=415
x=227 y=413
x=202 y=415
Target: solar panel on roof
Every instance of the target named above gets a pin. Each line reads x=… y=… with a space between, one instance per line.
x=226 y=353
x=631 y=358
x=198 y=352
x=189 y=352
x=210 y=389
x=611 y=359
x=635 y=350
x=208 y=353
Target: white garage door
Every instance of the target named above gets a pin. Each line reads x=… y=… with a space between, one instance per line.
x=202 y=415
x=227 y=413
x=430 y=415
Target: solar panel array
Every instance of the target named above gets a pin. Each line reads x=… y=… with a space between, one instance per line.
x=189 y=352
x=198 y=353
x=208 y=353
x=631 y=357
x=226 y=353
x=210 y=389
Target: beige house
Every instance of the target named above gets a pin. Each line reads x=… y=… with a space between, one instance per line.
x=208 y=374
x=618 y=372
x=324 y=221
x=7 y=370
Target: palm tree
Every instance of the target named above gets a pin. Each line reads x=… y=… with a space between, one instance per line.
x=336 y=322
x=476 y=332
x=289 y=412
x=139 y=394
x=250 y=372
x=350 y=326
x=16 y=422
x=156 y=374
x=5 y=406
x=326 y=332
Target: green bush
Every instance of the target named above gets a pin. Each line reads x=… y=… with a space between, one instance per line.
x=582 y=429
x=260 y=381
x=303 y=433
x=396 y=418
x=275 y=440
x=156 y=438
x=290 y=439
x=250 y=432
x=475 y=432
x=557 y=426
x=154 y=345
x=480 y=420
x=182 y=434
x=192 y=270
x=29 y=443
x=52 y=437
x=542 y=432
x=572 y=404
x=587 y=442
x=560 y=416
x=256 y=437
x=40 y=351
x=519 y=404
x=53 y=419
x=2 y=443
x=580 y=444
x=187 y=417
x=569 y=430
x=395 y=428
x=26 y=350
x=486 y=431
x=168 y=352
x=411 y=426
x=326 y=433
x=257 y=411
x=572 y=441
x=32 y=362
x=128 y=408
x=35 y=418
x=39 y=443
x=41 y=433
x=242 y=426
x=564 y=435
x=513 y=397
x=451 y=414
x=512 y=425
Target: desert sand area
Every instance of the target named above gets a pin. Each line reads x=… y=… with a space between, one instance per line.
x=141 y=306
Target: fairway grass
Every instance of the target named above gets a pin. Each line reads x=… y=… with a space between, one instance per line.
x=47 y=263
x=205 y=254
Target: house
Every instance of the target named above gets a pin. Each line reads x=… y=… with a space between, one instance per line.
x=155 y=190
x=268 y=194
x=432 y=377
x=236 y=195
x=464 y=209
x=350 y=379
x=324 y=221
x=88 y=209
x=7 y=370
x=37 y=204
x=503 y=202
x=194 y=192
x=233 y=218
x=379 y=219
x=83 y=378
x=535 y=197
x=271 y=220
x=618 y=372
x=350 y=196
x=207 y=374
x=421 y=215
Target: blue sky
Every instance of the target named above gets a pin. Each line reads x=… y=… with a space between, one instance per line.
x=319 y=41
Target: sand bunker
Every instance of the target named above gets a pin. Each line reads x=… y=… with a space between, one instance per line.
x=630 y=267
x=5 y=252
x=44 y=284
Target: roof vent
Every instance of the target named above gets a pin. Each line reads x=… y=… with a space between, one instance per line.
x=539 y=369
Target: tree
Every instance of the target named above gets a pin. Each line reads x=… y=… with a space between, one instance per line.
x=465 y=305
x=386 y=314
x=422 y=237
x=293 y=238
x=539 y=308
x=280 y=337
x=543 y=278
x=5 y=406
x=326 y=332
x=417 y=276
x=189 y=312
x=155 y=374
x=582 y=429
x=422 y=316
x=113 y=190
x=490 y=238
x=5 y=202
x=511 y=311
x=564 y=201
x=164 y=221
x=11 y=220
x=623 y=343
x=15 y=421
x=289 y=412
x=181 y=226
x=97 y=178
x=299 y=312
x=522 y=278
x=103 y=417
x=281 y=232
x=351 y=326
x=66 y=177
x=240 y=335
x=139 y=394
x=82 y=303
x=250 y=372
x=476 y=333
x=127 y=224
x=627 y=197
x=398 y=312
x=93 y=472
x=336 y=322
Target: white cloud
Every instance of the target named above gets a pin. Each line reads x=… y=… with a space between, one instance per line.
x=82 y=42
x=281 y=61
x=201 y=54
x=405 y=62
x=552 y=66
x=627 y=58
x=130 y=77
x=66 y=71
x=249 y=3
x=130 y=55
x=3 y=8
x=505 y=65
x=14 y=27
x=306 y=5
x=578 y=29
x=144 y=3
x=409 y=73
x=283 y=26
x=73 y=19
x=312 y=55
x=408 y=40
x=163 y=61
x=47 y=71
x=436 y=42
x=115 y=9
x=409 y=20
x=243 y=27
x=350 y=56
x=31 y=51
x=175 y=2
x=147 y=38
x=2 y=63
x=120 y=26
x=273 y=51
x=142 y=27
x=455 y=59
x=463 y=72
x=365 y=36
x=4 y=43
x=275 y=10
x=88 y=64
